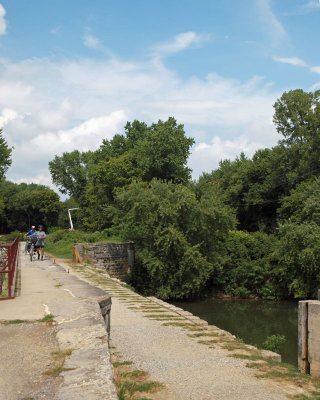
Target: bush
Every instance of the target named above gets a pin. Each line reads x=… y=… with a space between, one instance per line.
x=177 y=236
x=246 y=269
x=274 y=343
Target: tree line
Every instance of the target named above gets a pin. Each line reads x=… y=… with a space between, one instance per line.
x=251 y=227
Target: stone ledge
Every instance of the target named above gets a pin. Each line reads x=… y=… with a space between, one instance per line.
x=198 y=321
x=83 y=325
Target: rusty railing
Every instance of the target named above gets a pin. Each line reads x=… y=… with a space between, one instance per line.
x=8 y=269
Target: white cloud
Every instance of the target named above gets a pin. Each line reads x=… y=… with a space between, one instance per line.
x=315 y=69
x=291 y=60
x=206 y=157
x=313 y=5
x=83 y=137
x=91 y=41
x=94 y=43
x=3 y=23
x=7 y=115
x=60 y=106
x=180 y=42
x=273 y=27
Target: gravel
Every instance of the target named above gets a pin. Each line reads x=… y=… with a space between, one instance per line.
x=190 y=371
x=25 y=354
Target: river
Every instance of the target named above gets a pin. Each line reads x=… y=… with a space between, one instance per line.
x=252 y=320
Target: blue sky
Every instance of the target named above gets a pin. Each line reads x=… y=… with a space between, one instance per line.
x=73 y=72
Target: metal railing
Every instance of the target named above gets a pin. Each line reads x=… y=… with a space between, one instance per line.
x=8 y=269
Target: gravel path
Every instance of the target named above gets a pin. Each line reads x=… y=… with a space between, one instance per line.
x=190 y=371
x=25 y=354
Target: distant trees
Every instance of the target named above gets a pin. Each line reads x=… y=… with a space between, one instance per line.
x=23 y=205
x=5 y=156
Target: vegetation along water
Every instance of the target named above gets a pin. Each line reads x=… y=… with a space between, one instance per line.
x=252 y=320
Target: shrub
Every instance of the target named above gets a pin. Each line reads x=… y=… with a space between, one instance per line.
x=274 y=342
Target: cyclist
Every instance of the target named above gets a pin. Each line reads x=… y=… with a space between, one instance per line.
x=41 y=236
x=28 y=236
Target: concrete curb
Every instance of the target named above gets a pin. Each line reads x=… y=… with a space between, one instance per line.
x=83 y=326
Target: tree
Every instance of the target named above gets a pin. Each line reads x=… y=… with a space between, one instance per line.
x=70 y=173
x=5 y=156
x=297 y=259
x=24 y=205
x=297 y=118
x=176 y=235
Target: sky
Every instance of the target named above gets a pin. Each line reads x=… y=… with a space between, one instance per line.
x=74 y=72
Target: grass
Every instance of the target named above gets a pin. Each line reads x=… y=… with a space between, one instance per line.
x=195 y=335
x=59 y=358
x=120 y=363
x=130 y=381
x=60 y=243
x=313 y=396
x=47 y=318
x=15 y=321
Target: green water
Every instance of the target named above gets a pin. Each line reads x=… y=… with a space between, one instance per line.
x=252 y=320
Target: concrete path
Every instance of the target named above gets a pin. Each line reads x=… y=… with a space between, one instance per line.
x=79 y=332
x=38 y=288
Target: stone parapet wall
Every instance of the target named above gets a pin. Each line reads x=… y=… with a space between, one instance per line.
x=116 y=259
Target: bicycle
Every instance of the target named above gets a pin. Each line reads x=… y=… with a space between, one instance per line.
x=32 y=249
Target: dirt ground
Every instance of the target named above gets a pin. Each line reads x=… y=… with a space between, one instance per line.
x=25 y=355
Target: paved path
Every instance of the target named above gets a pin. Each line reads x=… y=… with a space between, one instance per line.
x=38 y=288
x=79 y=330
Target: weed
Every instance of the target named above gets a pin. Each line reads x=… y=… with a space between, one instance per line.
x=194 y=335
x=135 y=374
x=274 y=342
x=15 y=321
x=313 y=396
x=207 y=342
x=47 y=318
x=121 y=363
x=181 y=324
x=59 y=358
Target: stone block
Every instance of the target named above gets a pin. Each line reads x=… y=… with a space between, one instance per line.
x=303 y=363
x=314 y=337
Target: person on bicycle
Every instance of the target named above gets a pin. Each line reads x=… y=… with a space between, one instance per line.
x=41 y=236
x=28 y=236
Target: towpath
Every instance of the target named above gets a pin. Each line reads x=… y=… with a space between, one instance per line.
x=192 y=361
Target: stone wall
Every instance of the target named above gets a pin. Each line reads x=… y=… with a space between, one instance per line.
x=309 y=338
x=116 y=259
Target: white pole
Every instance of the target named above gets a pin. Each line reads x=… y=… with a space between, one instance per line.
x=71 y=224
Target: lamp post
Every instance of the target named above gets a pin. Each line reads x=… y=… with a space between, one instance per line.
x=71 y=224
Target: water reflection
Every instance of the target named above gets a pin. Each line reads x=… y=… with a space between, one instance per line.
x=252 y=320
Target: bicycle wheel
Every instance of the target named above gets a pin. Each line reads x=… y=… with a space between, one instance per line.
x=31 y=251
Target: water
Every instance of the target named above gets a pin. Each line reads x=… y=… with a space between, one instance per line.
x=252 y=320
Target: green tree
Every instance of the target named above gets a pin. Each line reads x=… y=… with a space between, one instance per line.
x=176 y=235
x=5 y=156
x=70 y=173
x=24 y=205
x=297 y=259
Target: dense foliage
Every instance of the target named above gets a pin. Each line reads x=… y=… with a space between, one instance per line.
x=23 y=205
x=5 y=156
x=249 y=228
x=170 y=227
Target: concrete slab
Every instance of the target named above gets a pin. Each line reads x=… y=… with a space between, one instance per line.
x=37 y=288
